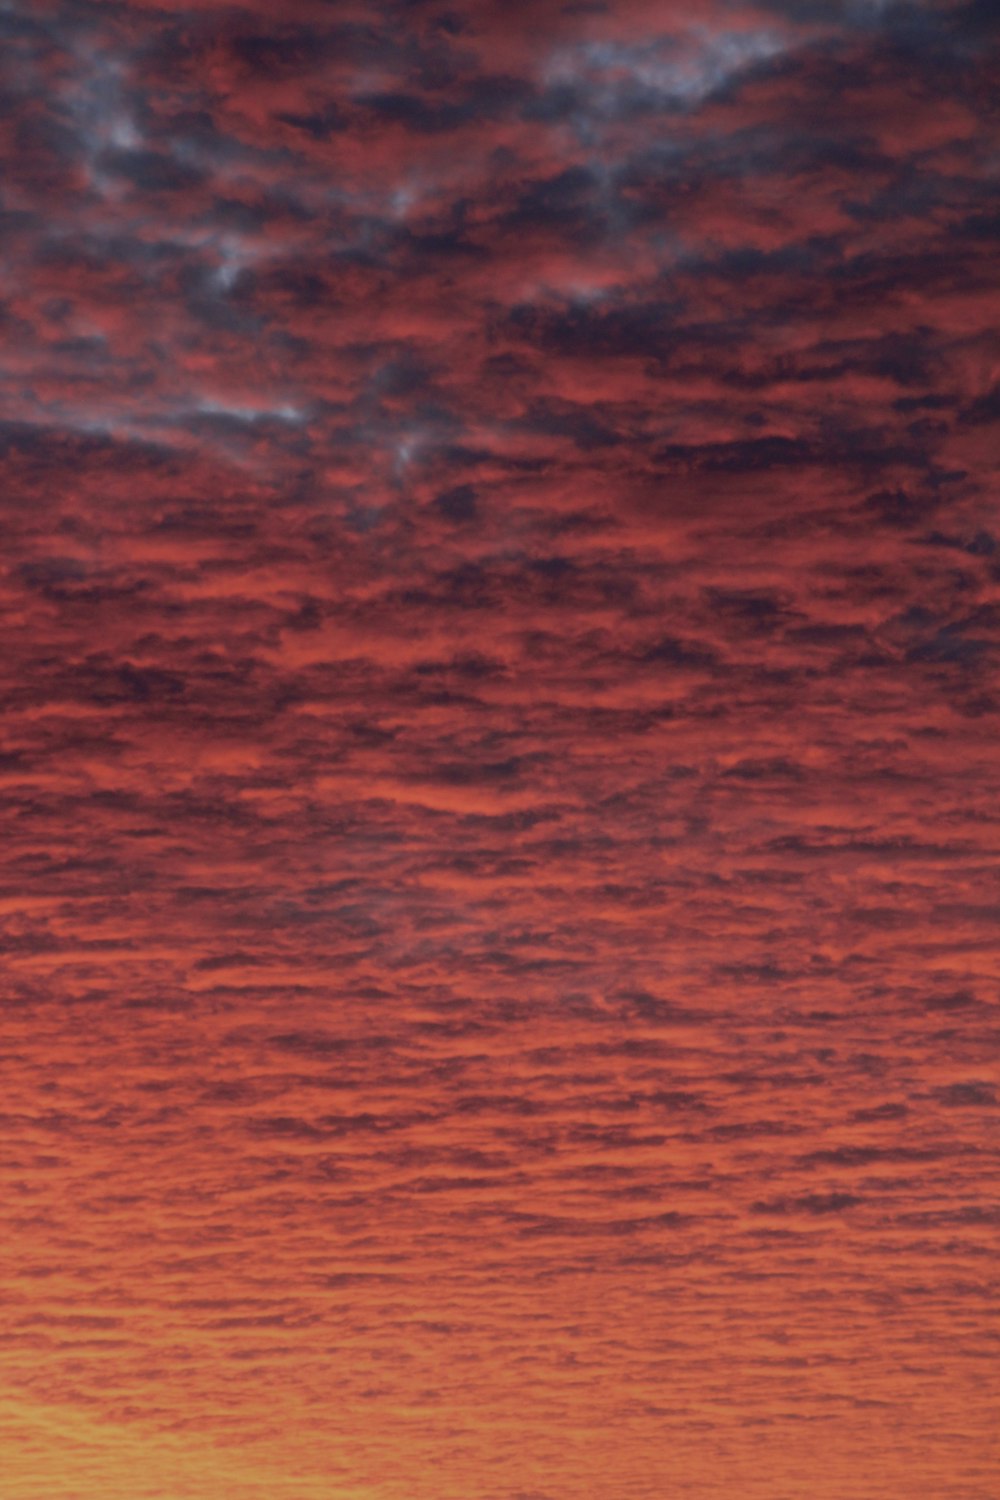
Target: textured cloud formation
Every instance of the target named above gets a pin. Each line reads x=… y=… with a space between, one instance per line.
x=501 y=581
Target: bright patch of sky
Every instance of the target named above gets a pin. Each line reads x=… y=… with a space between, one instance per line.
x=617 y=78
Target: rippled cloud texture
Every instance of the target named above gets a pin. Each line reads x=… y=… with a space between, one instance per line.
x=501 y=582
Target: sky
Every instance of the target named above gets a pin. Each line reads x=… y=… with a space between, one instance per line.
x=500 y=891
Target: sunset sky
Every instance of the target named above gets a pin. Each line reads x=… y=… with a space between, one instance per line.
x=500 y=577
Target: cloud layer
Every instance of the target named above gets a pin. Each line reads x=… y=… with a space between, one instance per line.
x=501 y=576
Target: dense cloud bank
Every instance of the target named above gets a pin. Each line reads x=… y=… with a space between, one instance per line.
x=501 y=580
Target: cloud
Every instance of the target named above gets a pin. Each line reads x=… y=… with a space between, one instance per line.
x=498 y=909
